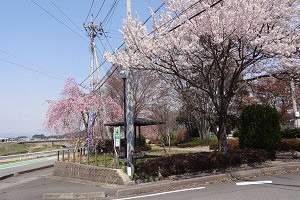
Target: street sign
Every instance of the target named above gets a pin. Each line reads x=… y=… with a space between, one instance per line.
x=117 y=137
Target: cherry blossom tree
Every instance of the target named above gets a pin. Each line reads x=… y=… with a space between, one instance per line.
x=71 y=114
x=213 y=45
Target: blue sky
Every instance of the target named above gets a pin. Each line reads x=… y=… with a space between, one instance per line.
x=31 y=38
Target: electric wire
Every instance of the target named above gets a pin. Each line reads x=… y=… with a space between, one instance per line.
x=34 y=65
x=30 y=69
x=89 y=12
x=185 y=10
x=99 y=10
x=59 y=20
x=114 y=53
x=66 y=16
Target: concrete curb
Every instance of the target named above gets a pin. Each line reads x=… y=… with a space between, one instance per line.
x=25 y=171
x=71 y=196
x=150 y=187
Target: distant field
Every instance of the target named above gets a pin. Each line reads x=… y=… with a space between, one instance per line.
x=14 y=148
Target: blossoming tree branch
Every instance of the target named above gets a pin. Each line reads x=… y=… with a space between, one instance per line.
x=213 y=45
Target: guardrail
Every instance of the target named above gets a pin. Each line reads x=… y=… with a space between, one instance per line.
x=41 y=141
x=30 y=155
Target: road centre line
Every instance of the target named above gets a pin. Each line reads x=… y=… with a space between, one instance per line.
x=254 y=183
x=161 y=193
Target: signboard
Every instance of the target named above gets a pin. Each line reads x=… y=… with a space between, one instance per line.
x=117 y=137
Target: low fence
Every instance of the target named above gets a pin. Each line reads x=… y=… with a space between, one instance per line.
x=26 y=156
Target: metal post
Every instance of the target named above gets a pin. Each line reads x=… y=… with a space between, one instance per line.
x=128 y=8
x=96 y=157
x=129 y=123
x=296 y=113
x=57 y=155
x=125 y=122
x=80 y=156
x=63 y=155
x=68 y=155
x=73 y=156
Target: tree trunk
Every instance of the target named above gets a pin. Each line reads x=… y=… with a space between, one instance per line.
x=222 y=137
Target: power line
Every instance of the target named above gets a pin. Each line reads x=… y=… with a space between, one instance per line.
x=59 y=20
x=197 y=14
x=89 y=12
x=66 y=16
x=111 y=10
x=99 y=10
x=32 y=64
x=118 y=49
x=30 y=69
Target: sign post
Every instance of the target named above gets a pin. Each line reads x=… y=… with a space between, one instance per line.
x=117 y=143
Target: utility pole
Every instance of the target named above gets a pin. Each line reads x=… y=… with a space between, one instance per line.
x=294 y=100
x=93 y=30
x=129 y=112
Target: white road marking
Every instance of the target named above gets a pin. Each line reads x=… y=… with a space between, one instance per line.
x=254 y=183
x=162 y=193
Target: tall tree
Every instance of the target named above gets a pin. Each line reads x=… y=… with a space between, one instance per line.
x=213 y=45
x=71 y=114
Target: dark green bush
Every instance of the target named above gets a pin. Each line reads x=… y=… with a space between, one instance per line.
x=291 y=133
x=198 y=162
x=259 y=128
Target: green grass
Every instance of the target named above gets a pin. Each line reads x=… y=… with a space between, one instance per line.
x=109 y=160
x=14 y=148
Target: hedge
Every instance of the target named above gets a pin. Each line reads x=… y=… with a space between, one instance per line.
x=198 y=162
x=290 y=145
x=232 y=144
x=291 y=133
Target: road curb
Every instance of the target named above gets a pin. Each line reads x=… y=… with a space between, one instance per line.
x=151 y=187
x=25 y=171
x=75 y=196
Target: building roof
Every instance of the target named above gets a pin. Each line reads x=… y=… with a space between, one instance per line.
x=137 y=122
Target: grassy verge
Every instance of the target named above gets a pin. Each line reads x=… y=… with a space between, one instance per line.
x=14 y=148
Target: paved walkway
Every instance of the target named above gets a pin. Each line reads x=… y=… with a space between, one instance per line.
x=25 y=162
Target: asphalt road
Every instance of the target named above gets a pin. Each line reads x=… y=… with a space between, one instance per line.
x=32 y=186
x=283 y=187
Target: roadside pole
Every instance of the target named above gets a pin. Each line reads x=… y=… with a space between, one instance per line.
x=129 y=112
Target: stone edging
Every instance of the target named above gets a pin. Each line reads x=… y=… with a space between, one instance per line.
x=90 y=173
x=79 y=196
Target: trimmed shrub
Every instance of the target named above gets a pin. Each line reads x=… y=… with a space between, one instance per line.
x=232 y=144
x=198 y=162
x=291 y=133
x=193 y=142
x=260 y=128
x=290 y=145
